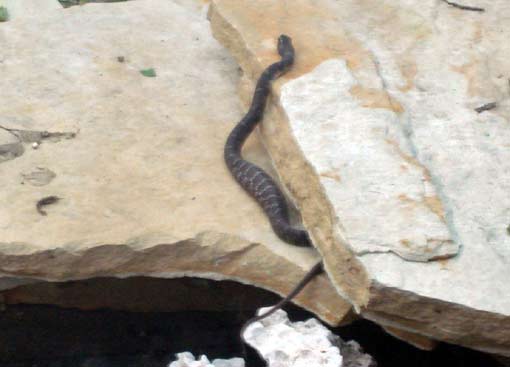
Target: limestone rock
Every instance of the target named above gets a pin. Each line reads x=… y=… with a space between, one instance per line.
x=136 y=161
x=284 y=343
x=382 y=135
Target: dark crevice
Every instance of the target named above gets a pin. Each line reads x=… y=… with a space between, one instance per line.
x=174 y=319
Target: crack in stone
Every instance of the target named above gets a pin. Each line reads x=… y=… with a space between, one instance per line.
x=11 y=151
x=406 y=126
x=435 y=181
x=34 y=136
x=7 y=130
x=408 y=256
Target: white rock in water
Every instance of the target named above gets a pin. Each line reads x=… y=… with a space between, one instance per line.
x=187 y=359
x=300 y=344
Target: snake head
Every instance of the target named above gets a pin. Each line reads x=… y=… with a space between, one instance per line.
x=285 y=46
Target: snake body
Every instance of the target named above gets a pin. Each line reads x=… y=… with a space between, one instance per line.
x=252 y=178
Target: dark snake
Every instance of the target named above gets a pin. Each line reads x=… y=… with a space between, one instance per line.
x=252 y=178
x=257 y=182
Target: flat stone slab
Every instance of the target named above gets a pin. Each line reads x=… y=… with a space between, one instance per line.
x=391 y=134
x=128 y=132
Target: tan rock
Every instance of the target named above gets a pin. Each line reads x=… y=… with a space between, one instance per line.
x=374 y=133
x=137 y=161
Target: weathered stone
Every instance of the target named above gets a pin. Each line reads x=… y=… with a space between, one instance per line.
x=306 y=343
x=375 y=134
x=137 y=161
x=19 y=9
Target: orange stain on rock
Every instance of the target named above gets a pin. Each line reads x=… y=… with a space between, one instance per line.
x=263 y=21
x=471 y=72
x=408 y=158
x=317 y=35
x=409 y=71
x=435 y=205
x=444 y=263
x=404 y=198
x=332 y=175
x=405 y=243
x=375 y=98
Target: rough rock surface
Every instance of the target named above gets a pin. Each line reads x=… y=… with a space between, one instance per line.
x=137 y=161
x=308 y=343
x=401 y=182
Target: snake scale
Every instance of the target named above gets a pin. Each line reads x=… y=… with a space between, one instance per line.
x=252 y=178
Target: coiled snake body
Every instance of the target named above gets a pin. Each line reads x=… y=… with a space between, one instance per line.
x=252 y=178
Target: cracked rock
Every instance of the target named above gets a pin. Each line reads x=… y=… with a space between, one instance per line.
x=402 y=185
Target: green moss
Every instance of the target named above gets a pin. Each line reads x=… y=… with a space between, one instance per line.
x=150 y=73
x=4 y=14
